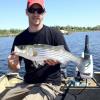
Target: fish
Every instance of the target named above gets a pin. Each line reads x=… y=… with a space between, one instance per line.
x=40 y=52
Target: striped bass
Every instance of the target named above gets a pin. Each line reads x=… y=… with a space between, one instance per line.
x=40 y=52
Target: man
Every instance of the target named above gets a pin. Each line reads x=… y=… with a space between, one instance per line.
x=46 y=77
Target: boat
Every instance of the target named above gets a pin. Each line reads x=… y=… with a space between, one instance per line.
x=73 y=90
x=8 y=81
x=85 y=86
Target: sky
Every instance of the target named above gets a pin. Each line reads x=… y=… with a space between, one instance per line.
x=58 y=12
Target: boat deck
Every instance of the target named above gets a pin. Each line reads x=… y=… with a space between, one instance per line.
x=83 y=90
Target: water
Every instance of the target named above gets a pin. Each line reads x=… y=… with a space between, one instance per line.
x=5 y=46
x=75 y=42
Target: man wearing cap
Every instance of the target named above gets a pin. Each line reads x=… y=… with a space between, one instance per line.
x=44 y=82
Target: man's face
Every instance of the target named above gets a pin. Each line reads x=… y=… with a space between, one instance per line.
x=35 y=14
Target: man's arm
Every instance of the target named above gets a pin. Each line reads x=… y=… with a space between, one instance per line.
x=60 y=40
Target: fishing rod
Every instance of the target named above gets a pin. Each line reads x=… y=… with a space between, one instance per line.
x=66 y=90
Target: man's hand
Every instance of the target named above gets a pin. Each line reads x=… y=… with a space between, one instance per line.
x=51 y=62
x=13 y=62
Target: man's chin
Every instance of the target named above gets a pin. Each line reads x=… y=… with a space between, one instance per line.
x=36 y=23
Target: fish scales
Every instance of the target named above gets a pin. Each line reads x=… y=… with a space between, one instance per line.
x=41 y=52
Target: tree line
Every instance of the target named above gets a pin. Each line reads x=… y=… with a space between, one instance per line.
x=78 y=29
x=69 y=29
x=10 y=32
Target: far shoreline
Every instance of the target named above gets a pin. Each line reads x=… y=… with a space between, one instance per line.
x=62 y=31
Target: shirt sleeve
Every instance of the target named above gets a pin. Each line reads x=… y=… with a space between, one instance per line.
x=60 y=40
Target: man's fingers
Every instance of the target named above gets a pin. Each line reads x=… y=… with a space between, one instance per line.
x=51 y=62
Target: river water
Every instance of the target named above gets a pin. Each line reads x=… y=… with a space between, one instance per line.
x=75 y=42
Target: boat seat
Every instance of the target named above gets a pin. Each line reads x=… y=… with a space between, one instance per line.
x=8 y=81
